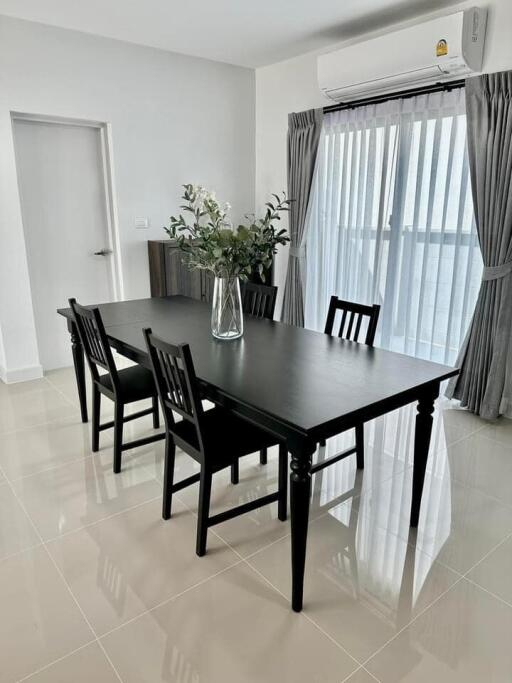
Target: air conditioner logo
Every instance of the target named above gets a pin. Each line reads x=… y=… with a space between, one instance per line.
x=441 y=48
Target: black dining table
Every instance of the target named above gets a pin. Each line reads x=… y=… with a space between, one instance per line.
x=301 y=385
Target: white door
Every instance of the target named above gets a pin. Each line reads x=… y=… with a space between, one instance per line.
x=65 y=219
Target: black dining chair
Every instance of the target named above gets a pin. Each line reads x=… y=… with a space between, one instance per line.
x=120 y=386
x=353 y=315
x=214 y=438
x=259 y=301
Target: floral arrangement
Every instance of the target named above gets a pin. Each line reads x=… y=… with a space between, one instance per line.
x=212 y=243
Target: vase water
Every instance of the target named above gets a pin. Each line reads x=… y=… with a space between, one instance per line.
x=227 y=314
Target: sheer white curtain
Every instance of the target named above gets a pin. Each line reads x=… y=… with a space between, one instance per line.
x=391 y=222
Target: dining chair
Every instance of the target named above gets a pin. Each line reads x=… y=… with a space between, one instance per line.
x=352 y=317
x=260 y=301
x=214 y=438
x=124 y=386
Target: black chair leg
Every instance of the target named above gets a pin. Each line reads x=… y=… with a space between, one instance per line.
x=360 y=446
x=205 y=489
x=263 y=456
x=283 y=482
x=156 y=415
x=96 y=404
x=118 y=435
x=170 y=452
x=235 y=473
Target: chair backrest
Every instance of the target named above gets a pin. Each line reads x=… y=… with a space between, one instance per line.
x=176 y=383
x=352 y=316
x=259 y=300
x=91 y=331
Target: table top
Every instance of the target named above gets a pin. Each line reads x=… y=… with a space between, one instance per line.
x=307 y=380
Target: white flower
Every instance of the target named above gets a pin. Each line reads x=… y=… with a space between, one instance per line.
x=203 y=196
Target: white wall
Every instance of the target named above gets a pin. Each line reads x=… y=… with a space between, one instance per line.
x=292 y=86
x=2 y=354
x=174 y=119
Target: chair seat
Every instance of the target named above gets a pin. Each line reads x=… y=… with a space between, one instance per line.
x=227 y=437
x=136 y=382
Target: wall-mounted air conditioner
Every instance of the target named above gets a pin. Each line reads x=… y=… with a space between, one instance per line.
x=441 y=49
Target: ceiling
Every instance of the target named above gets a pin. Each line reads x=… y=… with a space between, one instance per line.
x=245 y=32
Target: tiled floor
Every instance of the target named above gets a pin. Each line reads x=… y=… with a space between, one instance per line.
x=94 y=586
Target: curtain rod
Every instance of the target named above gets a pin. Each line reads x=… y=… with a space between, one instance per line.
x=403 y=94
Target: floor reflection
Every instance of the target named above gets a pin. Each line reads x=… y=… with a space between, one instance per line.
x=368 y=550
x=177 y=667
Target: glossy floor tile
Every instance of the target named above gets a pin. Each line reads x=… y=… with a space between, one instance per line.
x=35 y=404
x=95 y=586
x=23 y=388
x=452 y=423
x=72 y=496
x=232 y=628
x=461 y=534
x=360 y=676
x=483 y=463
x=16 y=530
x=463 y=638
x=501 y=431
x=363 y=583
x=64 y=380
x=87 y=665
x=458 y=525
x=494 y=572
x=40 y=621
x=129 y=563
x=31 y=450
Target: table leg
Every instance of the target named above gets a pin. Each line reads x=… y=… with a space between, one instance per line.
x=78 y=362
x=421 y=446
x=300 y=493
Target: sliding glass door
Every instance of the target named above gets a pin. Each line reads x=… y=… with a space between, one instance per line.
x=391 y=222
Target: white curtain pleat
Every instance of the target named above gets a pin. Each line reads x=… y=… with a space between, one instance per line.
x=391 y=222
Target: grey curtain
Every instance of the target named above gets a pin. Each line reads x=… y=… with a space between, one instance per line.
x=303 y=137
x=483 y=384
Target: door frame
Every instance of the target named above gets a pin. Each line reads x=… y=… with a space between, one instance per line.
x=113 y=234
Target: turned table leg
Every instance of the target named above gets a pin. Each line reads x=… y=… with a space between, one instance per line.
x=300 y=493
x=421 y=447
x=78 y=362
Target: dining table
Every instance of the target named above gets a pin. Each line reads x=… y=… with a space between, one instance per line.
x=303 y=386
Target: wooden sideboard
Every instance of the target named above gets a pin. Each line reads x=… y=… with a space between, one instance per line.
x=169 y=275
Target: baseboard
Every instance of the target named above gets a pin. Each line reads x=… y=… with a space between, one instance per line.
x=20 y=374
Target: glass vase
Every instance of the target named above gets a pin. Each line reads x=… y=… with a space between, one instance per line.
x=227 y=315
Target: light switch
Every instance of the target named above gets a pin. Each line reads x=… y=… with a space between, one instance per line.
x=142 y=223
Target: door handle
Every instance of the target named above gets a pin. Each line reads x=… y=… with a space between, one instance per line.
x=103 y=252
